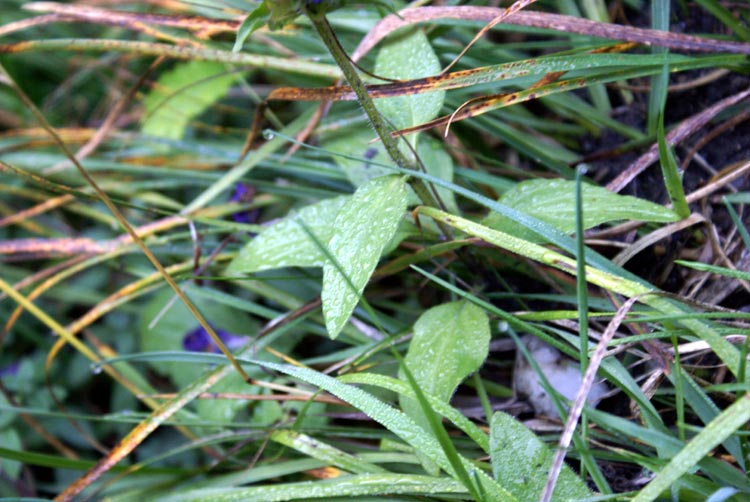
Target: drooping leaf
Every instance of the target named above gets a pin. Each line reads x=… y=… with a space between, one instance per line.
x=257 y=18
x=553 y=201
x=405 y=56
x=287 y=243
x=365 y=224
x=182 y=94
x=450 y=342
x=520 y=462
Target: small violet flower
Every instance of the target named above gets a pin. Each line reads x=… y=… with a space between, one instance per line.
x=198 y=340
x=244 y=194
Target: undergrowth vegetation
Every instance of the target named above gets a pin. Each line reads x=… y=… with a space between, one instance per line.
x=341 y=250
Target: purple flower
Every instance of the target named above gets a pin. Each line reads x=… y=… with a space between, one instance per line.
x=198 y=340
x=10 y=370
x=244 y=194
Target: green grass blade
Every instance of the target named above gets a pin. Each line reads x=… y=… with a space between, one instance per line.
x=670 y=171
x=715 y=432
x=344 y=486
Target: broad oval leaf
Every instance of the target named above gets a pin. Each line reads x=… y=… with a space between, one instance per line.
x=553 y=201
x=405 y=56
x=364 y=226
x=254 y=20
x=182 y=94
x=288 y=243
x=450 y=342
x=520 y=462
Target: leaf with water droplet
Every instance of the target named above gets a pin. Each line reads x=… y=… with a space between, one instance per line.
x=364 y=225
x=288 y=243
x=522 y=461
x=450 y=342
x=404 y=56
x=553 y=201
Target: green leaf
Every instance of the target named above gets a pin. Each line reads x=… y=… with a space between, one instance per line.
x=450 y=342
x=9 y=438
x=705 y=267
x=553 y=201
x=671 y=172
x=438 y=163
x=408 y=55
x=323 y=451
x=370 y=159
x=440 y=407
x=257 y=18
x=182 y=94
x=701 y=445
x=339 y=488
x=520 y=462
x=365 y=224
x=287 y=243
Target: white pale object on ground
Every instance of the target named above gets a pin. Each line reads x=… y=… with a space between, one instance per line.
x=563 y=374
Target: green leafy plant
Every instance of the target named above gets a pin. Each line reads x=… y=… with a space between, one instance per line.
x=349 y=280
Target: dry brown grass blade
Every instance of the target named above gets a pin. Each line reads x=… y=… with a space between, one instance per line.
x=675 y=136
x=577 y=408
x=140 y=432
x=503 y=16
x=474 y=106
x=484 y=104
x=81 y=13
x=557 y=22
x=43 y=207
x=161 y=271
x=164 y=412
x=112 y=116
x=202 y=26
x=24 y=24
x=657 y=235
x=443 y=82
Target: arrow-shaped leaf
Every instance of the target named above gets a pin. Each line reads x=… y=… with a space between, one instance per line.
x=364 y=226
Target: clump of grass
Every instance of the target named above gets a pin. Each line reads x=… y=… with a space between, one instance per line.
x=259 y=251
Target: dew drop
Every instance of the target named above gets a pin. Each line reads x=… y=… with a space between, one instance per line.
x=96 y=368
x=502 y=326
x=268 y=135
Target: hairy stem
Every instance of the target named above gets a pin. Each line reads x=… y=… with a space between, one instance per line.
x=323 y=28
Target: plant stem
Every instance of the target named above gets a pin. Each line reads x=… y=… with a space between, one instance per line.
x=326 y=33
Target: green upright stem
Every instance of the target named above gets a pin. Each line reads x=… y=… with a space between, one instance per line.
x=323 y=28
